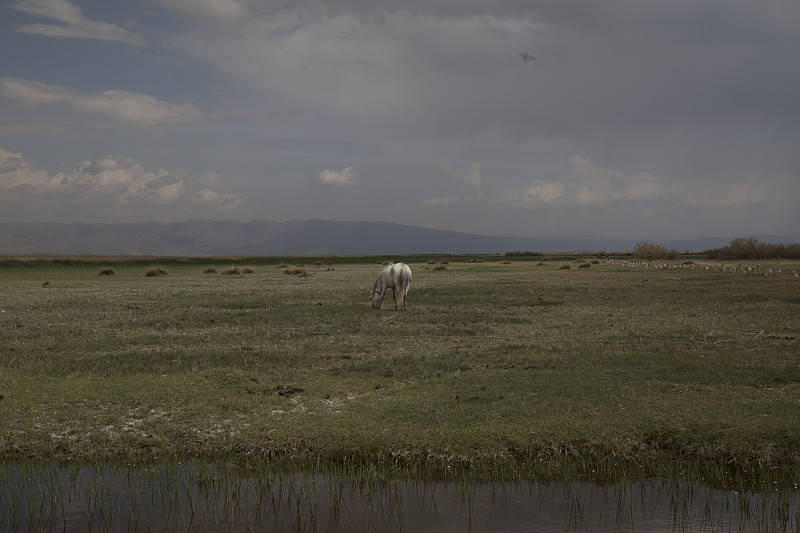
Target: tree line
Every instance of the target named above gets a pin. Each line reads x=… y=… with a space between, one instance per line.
x=744 y=249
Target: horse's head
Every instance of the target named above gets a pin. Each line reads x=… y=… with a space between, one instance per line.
x=376 y=297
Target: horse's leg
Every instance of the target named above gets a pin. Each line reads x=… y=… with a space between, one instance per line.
x=394 y=297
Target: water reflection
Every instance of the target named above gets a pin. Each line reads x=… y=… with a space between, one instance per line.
x=202 y=497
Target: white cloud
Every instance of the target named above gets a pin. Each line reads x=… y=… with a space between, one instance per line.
x=225 y=11
x=218 y=201
x=73 y=23
x=110 y=182
x=588 y=184
x=542 y=193
x=337 y=178
x=598 y=185
x=739 y=194
x=437 y=202
x=124 y=107
x=471 y=175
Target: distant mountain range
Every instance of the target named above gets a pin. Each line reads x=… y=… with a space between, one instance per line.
x=300 y=237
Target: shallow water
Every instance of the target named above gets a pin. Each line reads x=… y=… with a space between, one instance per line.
x=197 y=497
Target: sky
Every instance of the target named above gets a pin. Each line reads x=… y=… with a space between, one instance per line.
x=616 y=118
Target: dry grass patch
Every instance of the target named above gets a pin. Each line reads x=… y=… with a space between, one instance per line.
x=156 y=272
x=232 y=271
x=106 y=271
x=298 y=271
x=210 y=270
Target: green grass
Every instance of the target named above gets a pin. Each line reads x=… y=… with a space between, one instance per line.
x=492 y=365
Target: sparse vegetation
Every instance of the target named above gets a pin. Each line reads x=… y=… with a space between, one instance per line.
x=210 y=270
x=248 y=270
x=492 y=366
x=107 y=271
x=440 y=267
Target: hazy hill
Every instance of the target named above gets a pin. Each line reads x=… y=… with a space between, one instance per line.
x=301 y=237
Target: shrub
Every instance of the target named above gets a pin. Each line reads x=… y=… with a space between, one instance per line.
x=649 y=251
x=440 y=267
x=210 y=270
x=564 y=267
x=248 y=270
x=106 y=271
x=584 y=265
x=231 y=271
x=522 y=254
x=156 y=271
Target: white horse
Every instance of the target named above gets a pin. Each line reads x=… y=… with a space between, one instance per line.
x=396 y=277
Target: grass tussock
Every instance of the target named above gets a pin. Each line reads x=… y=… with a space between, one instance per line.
x=298 y=271
x=107 y=271
x=232 y=271
x=565 y=267
x=439 y=267
x=156 y=272
x=248 y=270
x=210 y=270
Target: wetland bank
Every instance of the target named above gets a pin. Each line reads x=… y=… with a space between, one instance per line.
x=497 y=372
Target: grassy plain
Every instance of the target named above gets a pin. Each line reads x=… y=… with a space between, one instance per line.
x=494 y=365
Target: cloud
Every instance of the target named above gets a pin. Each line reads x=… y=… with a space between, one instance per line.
x=73 y=23
x=123 y=107
x=739 y=194
x=438 y=202
x=589 y=184
x=540 y=192
x=223 y=11
x=218 y=201
x=471 y=175
x=112 y=183
x=336 y=178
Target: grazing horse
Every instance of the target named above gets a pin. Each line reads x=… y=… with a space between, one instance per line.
x=396 y=277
